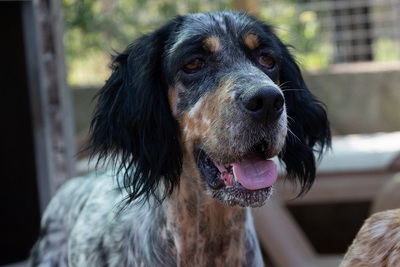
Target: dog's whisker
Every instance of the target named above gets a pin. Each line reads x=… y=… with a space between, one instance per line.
x=282 y=85
x=292 y=89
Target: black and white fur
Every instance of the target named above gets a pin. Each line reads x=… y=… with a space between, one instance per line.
x=203 y=89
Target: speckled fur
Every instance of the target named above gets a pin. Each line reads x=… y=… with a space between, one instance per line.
x=171 y=93
x=377 y=243
x=189 y=229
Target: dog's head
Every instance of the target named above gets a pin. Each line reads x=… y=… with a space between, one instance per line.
x=218 y=90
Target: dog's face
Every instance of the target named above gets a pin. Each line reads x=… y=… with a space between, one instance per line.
x=224 y=92
x=219 y=90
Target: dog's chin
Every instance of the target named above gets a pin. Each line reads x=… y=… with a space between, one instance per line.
x=245 y=181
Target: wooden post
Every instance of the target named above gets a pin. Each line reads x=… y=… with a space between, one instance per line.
x=50 y=98
x=250 y=6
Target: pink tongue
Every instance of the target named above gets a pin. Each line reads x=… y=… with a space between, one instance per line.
x=254 y=173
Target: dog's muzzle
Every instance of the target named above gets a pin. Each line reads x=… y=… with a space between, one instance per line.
x=238 y=169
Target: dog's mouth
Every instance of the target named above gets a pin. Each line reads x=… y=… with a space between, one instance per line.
x=246 y=181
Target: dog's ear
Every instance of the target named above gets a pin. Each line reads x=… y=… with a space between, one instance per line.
x=132 y=124
x=309 y=131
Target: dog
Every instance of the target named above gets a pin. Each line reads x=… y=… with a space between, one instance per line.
x=377 y=243
x=186 y=127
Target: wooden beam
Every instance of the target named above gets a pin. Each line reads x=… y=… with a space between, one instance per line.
x=280 y=235
x=50 y=97
x=345 y=188
x=250 y=6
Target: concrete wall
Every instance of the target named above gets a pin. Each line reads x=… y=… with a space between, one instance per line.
x=361 y=98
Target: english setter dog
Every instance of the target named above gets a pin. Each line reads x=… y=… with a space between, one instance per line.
x=189 y=121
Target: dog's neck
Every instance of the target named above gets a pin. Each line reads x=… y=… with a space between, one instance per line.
x=206 y=233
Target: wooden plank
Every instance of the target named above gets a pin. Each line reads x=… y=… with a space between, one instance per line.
x=281 y=236
x=347 y=188
x=361 y=153
x=50 y=98
x=250 y=6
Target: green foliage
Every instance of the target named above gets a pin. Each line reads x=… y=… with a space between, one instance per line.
x=300 y=30
x=97 y=28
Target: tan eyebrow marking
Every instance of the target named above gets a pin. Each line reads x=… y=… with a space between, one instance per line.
x=251 y=41
x=212 y=44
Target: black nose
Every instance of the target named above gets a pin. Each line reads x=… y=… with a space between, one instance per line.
x=264 y=104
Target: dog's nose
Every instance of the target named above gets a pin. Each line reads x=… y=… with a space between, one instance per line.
x=264 y=104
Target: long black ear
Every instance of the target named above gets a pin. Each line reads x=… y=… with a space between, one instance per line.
x=132 y=125
x=309 y=131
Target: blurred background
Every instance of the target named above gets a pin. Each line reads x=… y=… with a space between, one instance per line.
x=55 y=58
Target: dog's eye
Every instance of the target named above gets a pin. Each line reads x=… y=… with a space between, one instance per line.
x=194 y=66
x=267 y=61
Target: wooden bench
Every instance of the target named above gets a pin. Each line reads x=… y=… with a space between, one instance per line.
x=358 y=168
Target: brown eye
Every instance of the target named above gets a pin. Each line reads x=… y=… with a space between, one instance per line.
x=194 y=66
x=267 y=61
